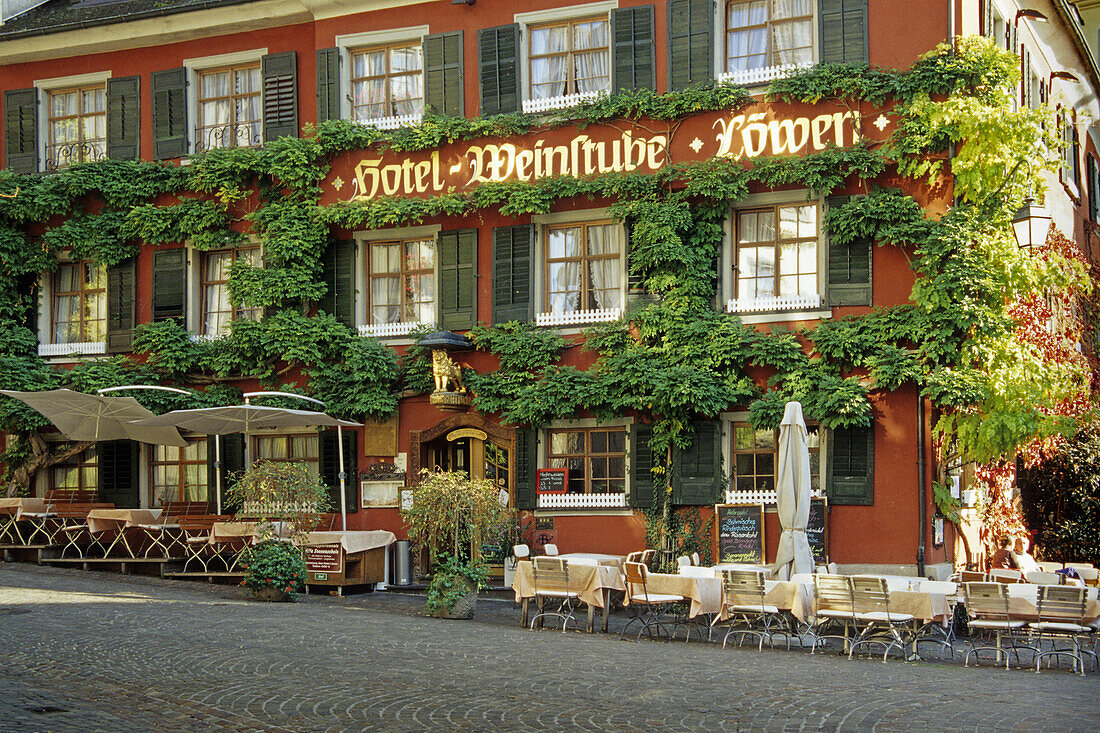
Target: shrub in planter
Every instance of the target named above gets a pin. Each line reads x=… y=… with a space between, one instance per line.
x=274 y=570
x=455 y=583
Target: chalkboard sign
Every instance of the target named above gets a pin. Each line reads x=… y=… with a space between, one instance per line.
x=817 y=529
x=740 y=533
x=553 y=480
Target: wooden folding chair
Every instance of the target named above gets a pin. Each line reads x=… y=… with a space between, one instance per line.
x=644 y=606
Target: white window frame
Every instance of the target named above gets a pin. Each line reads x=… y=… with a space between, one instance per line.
x=556 y=502
x=544 y=222
x=539 y=17
x=353 y=42
x=758 y=77
x=729 y=421
x=728 y=261
x=43 y=88
x=47 y=347
x=363 y=240
x=196 y=66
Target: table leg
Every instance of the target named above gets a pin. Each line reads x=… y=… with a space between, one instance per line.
x=523 y=612
x=591 y=618
x=606 y=607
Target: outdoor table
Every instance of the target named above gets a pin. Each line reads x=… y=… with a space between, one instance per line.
x=740 y=566
x=704 y=593
x=594 y=558
x=103 y=521
x=18 y=509
x=1023 y=603
x=347 y=558
x=592 y=584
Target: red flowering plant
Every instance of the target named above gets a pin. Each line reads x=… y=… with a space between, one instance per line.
x=276 y=565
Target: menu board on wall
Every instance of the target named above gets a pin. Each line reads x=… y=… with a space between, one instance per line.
x=740 y=533
x=817 y=529
x=552 y=480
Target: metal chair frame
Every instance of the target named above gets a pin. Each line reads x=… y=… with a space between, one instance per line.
x=643 y=607
x=1062 y=615
x=551 y=578
x=833 y=604
x=988 y=607
x=871 y=603
x=743 y=592
x=935 y=632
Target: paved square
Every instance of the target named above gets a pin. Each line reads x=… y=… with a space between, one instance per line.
x=100 y=652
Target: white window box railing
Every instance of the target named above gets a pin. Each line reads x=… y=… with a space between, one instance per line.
x=749 y=77
x=756 y=496
x=207 y=338
x=582 y=501
x=79 y=347
x=562 y=102
x=593 y=316
x=381 y=330
x=774 y=303
x=392 y=123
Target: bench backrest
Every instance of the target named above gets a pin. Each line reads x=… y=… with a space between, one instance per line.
x=184 y=508
x=71 y=496
x=76 y=509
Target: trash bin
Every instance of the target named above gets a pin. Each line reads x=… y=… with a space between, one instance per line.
x=402 y=565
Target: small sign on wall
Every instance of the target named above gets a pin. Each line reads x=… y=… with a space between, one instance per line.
x=406 y=499
x=325 y=559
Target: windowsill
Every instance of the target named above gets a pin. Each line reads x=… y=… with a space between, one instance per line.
x=582 y=501
x=1072 y=190
x=563 y=101
x=601 y=315
x=392 y=330
x=394 y=122
x=80 y=348
x=752 y=77
x=814 y=314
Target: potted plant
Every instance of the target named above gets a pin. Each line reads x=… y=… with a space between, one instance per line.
x=286 y=501
x=451 y=516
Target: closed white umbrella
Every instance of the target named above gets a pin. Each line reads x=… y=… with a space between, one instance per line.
x=81 y=416
x=218 y=421
x=793 y=496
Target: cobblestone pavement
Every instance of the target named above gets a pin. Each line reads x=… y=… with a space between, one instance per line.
x=101 y=652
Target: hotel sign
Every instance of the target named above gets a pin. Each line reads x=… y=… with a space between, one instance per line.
x=627 y=146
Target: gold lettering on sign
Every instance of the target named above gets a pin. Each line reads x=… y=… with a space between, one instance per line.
x=740 y=137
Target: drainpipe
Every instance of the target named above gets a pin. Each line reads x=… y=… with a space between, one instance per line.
x=923 y=513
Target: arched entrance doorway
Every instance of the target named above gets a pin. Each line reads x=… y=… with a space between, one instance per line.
x=467 y=443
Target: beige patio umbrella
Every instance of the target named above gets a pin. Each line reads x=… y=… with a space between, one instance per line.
x=218 y=421
x=793 y=496
x=80 y=416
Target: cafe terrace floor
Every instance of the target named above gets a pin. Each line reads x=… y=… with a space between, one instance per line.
x=89 y=651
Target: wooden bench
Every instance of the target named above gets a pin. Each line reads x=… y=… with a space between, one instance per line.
x=181 y=509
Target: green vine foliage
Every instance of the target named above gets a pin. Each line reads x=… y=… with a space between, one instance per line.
x=674 y=357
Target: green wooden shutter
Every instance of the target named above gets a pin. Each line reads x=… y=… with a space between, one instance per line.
x=843 y=31
x=21 y=130
x=1093 y=173
x=498 y=69
x=697 y=470
x=851 y=466
x=849 y=278
x=169 y=93
x=330 y=470
x=280 y=79
x=632 y=48
x=170 y=284
x=233 y=465
x=526 y=459
x=328 y=84
x=118 y=462
x=338 y=273
x=443 y=90
x=513 y=259
x=690 y=42
x=641 y=466
x=457 y=279
x=121 y=281
x=124 y=118
x=987 y=18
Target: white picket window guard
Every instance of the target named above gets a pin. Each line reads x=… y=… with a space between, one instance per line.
x=393 y=123
x=208 y=338
x=582 y=501
x=562 y=102
x=756 y=496
x=80 y=347
x=404 y=328
x=593 y=316
x=749 y=77
x=773 y=303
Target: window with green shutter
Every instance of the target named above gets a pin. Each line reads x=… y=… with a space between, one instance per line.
x=338 y=275
x=851 y=466
x=690 y=42
x=697 y=470
x=443 y=90
x=280 y=97
x=170 y=284
x=849 y=281
x=1093 y=173
x=498 y=69
x=328 y=84
x=231 y=449
x=121 y=283
x=458 y=279
x=21 y=130
x=512 y=263
x=124 y=118
x=641 y=466
x=330 y=470
x=632 y=45
x=526 y=459
x=169 y=110
x=842 y=30
x=118 y=473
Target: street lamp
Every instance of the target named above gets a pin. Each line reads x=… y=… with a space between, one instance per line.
x=1030 y=224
